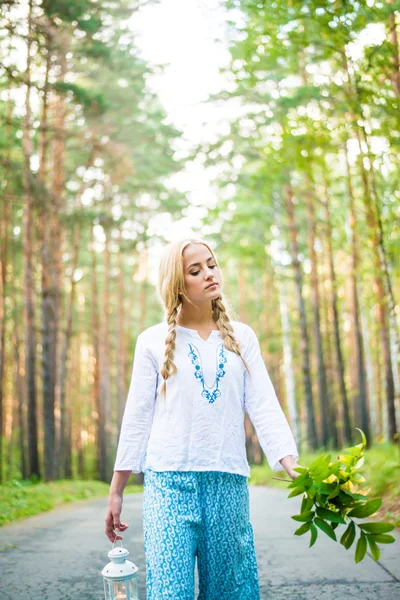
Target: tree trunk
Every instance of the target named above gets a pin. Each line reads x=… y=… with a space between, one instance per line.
x=393 y=38
x=78 y=408
x=379 y=289
x=360 y=399
x=64 y=452
x=29 y=305
x=329 y=344
x=100 y=439
x=19 y=389
x=340 y=371
x=57 y=234
x=4 y=233
x=369 y=367
x=288 y=362
x=104 y=355
x=49 y=290
x=305 y=346
x=121 y=343
x=326 y=433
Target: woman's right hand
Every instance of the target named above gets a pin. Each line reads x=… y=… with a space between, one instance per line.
x=113 y=523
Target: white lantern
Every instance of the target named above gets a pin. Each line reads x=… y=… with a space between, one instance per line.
x=120 y=576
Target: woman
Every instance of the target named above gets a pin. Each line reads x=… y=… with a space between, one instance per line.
x=193 y=376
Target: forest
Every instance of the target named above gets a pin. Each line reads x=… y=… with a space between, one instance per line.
x=306 y=226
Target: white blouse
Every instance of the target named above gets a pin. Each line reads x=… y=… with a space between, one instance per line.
x=200 y=425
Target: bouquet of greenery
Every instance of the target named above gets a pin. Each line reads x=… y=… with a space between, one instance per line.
x=331 y=497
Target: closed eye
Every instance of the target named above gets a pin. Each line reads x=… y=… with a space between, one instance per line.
x=197 y=272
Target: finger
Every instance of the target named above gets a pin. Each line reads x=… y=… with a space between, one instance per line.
x=109 y=529
x=110 y=535
x=117 y=522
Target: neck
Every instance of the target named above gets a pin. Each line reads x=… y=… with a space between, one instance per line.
x=192 y=314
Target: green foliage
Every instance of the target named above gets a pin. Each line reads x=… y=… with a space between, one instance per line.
x=89 y=98
x=20 y=499
x=330 y=498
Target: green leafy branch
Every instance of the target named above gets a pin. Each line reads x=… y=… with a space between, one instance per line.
x=331 y=497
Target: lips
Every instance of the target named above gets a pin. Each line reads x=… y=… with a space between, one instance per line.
x=211 y=285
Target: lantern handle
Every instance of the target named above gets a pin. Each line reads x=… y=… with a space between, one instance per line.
x=116 y=541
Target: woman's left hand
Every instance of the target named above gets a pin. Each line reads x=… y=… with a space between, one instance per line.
x=289 y=464
x=293 y=474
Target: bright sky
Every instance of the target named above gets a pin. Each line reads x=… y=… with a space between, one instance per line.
x=182 y=35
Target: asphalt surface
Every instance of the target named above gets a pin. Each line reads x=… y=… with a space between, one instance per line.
x=59 y=555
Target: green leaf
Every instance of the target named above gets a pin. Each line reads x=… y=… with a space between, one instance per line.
x=306 y=504
x=305 y=516
x=366 y=509
x=354 y=495
x=361 y=547
x=330 y=515
x=303 y=529
x=322 y=474
x=301 y=480
x=301 y=469
x=335 y=492
x=327 y=488
x=349 y=535
x=335 y=468
x=317 y=463
x=314 y=535
x=364 y=439
x=321 y=499
x=357 y=477
x=360 y=463
x=376 y=527
x=312 y=492
x=320 y=470
x=374 y=548
x=325 y=527
x=297 y=491
x=346 y=500
x=382 y=538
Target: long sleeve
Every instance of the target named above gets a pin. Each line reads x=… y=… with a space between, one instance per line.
x=139 y=411
x=264 y=410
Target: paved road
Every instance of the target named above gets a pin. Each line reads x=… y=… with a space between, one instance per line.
x=59 y=555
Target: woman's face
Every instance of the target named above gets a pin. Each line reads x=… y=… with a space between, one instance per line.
x=200 y=271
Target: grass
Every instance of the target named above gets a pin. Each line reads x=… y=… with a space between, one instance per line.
x=381 y=471
x=20 y=499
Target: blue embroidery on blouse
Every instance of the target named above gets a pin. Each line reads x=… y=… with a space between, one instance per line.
x=198 y=372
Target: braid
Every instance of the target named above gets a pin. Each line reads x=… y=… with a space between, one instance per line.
x=221 y=318
x=169 y=368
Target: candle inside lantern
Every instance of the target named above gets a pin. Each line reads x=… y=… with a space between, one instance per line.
x=119 y=591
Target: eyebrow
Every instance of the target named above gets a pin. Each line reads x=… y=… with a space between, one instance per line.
x=198 y=264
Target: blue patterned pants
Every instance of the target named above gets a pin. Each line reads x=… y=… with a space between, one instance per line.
x=203 y=514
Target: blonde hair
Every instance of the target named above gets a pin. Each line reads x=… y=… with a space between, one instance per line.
x=171 y=291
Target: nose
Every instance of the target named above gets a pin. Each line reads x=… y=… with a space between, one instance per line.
x=208 y=273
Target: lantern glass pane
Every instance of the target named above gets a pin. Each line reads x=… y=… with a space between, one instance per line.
x=120 y=591
x=133 y=589
x=108 y=592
